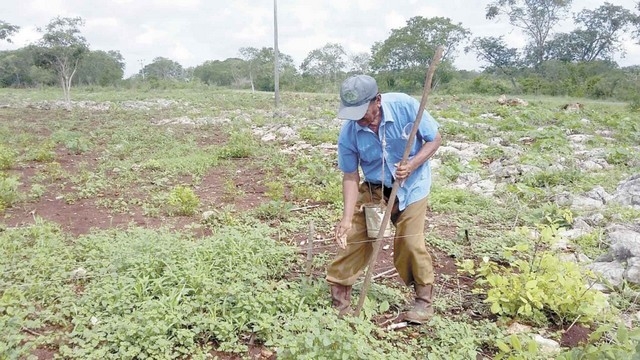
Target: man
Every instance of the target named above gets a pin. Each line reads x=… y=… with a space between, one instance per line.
x=378 y=121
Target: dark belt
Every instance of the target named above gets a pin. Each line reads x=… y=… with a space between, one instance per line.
x=386 y=190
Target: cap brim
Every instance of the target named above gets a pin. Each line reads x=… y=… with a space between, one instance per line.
x=352 y=112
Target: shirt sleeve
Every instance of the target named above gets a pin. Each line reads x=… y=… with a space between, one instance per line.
x=428 y=127
x=347 y=152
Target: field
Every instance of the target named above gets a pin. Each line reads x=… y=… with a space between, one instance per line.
x=176 y=223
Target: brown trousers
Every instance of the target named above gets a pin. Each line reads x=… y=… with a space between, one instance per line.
x=410 y=256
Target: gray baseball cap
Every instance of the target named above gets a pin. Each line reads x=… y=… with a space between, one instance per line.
x=355 y=94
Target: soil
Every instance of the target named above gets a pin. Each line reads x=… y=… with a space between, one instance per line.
x=82 y=216
x=575 y=335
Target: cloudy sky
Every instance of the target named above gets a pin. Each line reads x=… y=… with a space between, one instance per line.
x=193 y=31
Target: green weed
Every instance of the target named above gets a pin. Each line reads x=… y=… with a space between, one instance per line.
x=183 y=201
x=7 y=158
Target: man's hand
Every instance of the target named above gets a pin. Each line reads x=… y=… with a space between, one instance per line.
x=403 y=170
x=342 y=228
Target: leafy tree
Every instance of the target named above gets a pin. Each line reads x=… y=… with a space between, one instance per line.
x=495 y=51
x=536 y=18
x=162 y=68
x=636 y=21
x=326 y=62
x=6 y=30
x=62 y=49
x=14 y=67
x=597 y=38
x=18 y=68
x=414 y=44
x=260 y=65
x=251 y=57
x=406 y=53
x=101 y=68
x=220 y=73
x=359 y=63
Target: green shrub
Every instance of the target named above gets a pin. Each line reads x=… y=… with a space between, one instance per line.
x=240 y=145
x=620 y=156
x=274 y=210
x=317 y=135
x=320 y=335
x=45 y=152
x=183 y=201
x=538 y=288
x=7 y=158
x=8 y=191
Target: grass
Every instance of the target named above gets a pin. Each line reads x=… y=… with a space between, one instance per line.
x=186 y=286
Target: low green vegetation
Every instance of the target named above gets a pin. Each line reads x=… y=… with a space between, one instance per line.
x=201 y=229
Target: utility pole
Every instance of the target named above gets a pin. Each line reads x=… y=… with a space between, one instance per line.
x=141 y=61
x=276 y=66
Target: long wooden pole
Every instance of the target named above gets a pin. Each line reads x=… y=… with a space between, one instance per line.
x=394 y=190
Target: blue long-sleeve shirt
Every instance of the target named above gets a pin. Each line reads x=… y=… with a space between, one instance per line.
x=360 y=146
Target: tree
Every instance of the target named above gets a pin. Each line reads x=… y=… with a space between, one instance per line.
x=536 y=18
x=359 y=63
x=220 y=73
x=62 y=48
x=260 y=64
x=414 y=44
x=101 y=68
x=636 y=22
x=494 y=51
x=404 y=56
x=162 y=68
x=326 y=62
x=598 y=35
x=250 y=56
x=6 y=30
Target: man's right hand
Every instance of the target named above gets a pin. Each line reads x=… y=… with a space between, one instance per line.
x=342 y=229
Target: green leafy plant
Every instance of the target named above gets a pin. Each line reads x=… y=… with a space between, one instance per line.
x=456 y=339
x=77 y=145
x=514 y=347
x=8 y=191
x=319 y=135
x=240 y=145
x=275 y=190
x=183 y=201
x=539 y=288
x=620 y=156
x=491 y=154
x=274 y=210
x=7 y=157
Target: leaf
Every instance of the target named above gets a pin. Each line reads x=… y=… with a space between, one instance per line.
x=623 y=334
x=503 y=346
x=515 y=342
x=384 y=306
x=496 y=308
x=531 y=284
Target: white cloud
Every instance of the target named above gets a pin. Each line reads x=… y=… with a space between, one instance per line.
x=150 y=35
x=105 y=22
x=180 y=53
x=194 y=31
x=393 y=20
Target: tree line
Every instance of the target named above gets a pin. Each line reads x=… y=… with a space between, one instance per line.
x=575 y=63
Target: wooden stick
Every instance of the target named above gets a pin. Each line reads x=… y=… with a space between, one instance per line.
x=389 y=273
x=394 y=189
x=310 y=249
